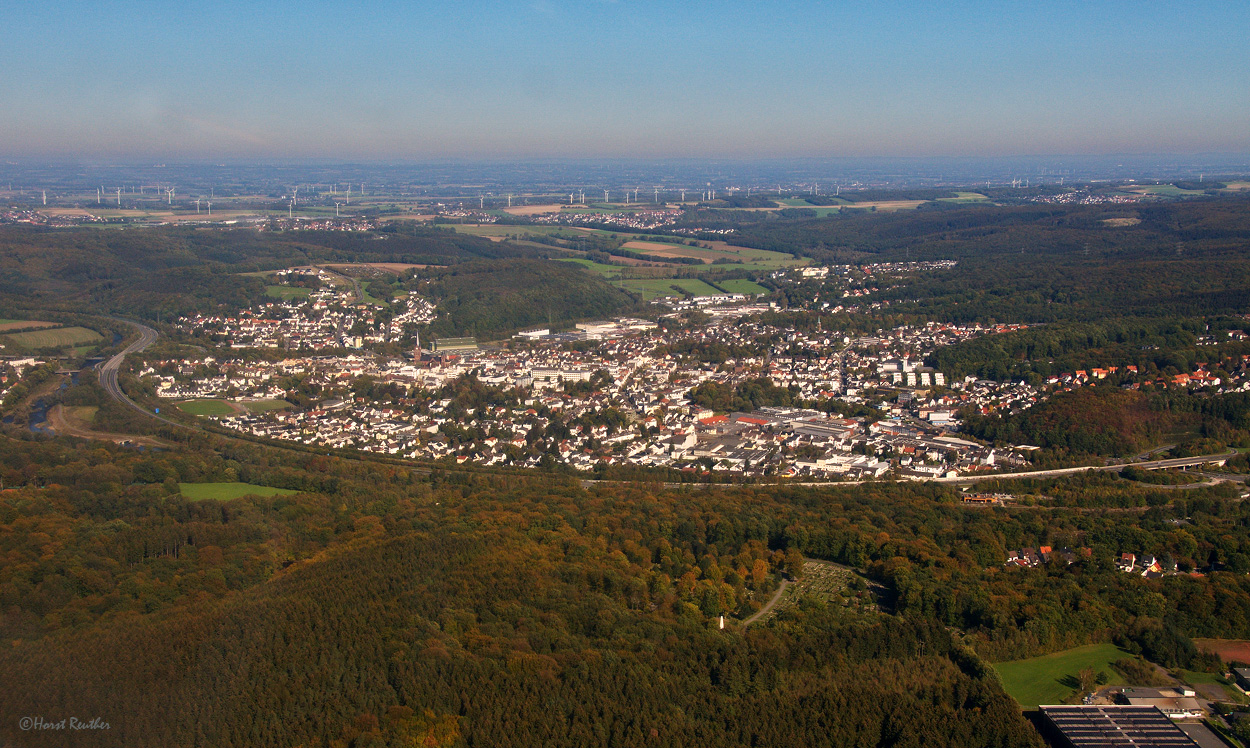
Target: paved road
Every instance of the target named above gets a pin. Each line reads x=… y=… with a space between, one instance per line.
x=768 y=606
x=110 y=368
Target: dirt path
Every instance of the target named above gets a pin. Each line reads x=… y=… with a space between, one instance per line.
x=768 y=606
x=59 y=423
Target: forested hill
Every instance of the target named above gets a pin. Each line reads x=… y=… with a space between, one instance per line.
x=137 y=271
x=486 y=299
x=378 y=607
x=1100 y=231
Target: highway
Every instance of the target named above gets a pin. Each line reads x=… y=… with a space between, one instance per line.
x=110 y=368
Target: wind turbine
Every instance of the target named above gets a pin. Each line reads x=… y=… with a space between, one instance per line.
x=657 y=195
x=348 y=199
x=210 y=207
x=294 y=195
x=290 y=210
x=45 y=197
x=509 y=201
x=605 y=196
x=197 y=207
x=119 y=197
x=98 y=196
x=336 y=209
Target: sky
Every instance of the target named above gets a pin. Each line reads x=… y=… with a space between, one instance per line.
x=593 y=78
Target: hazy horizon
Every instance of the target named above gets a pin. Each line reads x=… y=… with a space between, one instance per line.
x=140 y=81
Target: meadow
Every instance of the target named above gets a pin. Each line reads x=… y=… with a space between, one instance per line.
x=207 y=408
x=652 y=288
x=59 y=337
x=1050 y=679
x=741 y=285
x=228 y=491
x=287 y=292
x=266 y=406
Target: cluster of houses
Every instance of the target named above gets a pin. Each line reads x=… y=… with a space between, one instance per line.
x=639 y=410
x=1043 y=555
x=1146 y=566
x=329 y=317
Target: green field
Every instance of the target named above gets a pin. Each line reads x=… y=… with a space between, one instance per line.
x=206 y=408
x=58 y=337
x=652 y=288
x=287 y=292
x=741 y=285
x=228 y=491
x=607 y=271
x=264 y=406
x=367 y=297
x=1169 y=190
x=1045 y=679
x=964 y=197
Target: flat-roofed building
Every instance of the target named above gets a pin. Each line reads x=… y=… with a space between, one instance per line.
x=1115 y=726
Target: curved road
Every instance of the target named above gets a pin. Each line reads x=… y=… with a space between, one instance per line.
x=109 y=369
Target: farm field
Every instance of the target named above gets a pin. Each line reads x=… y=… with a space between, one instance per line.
x=1166 y=190
x=228 y=491
x=1046 y=679
x=207 y=408
x=755 y=259
x=265 y=406
x=607 y=271
x=741 y=285
x=55 y=337
x=1229 y=650
x=22 y=324
x=653 y=288
x=889 y=204
x=964 y=197
x=287 y=292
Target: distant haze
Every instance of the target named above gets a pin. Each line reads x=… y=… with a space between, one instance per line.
x=599 y=79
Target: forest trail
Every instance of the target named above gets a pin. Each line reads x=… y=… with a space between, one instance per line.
x=768 y=606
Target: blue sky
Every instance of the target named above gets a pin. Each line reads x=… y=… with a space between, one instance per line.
x=549 y=78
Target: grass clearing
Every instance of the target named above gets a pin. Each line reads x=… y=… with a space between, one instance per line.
x=60 y=337
x=741 y=285
x=81 y=416
x=23 y=324
x=653 y=288
x=1166 y=190
x=265 y=406
x=964 y=197
x=287 y=292
x=1050 y=679
x=207 y=407
x=228 y=491
x=607 y=271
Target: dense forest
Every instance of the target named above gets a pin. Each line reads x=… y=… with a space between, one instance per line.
x=378 y=605
x=149 y=271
